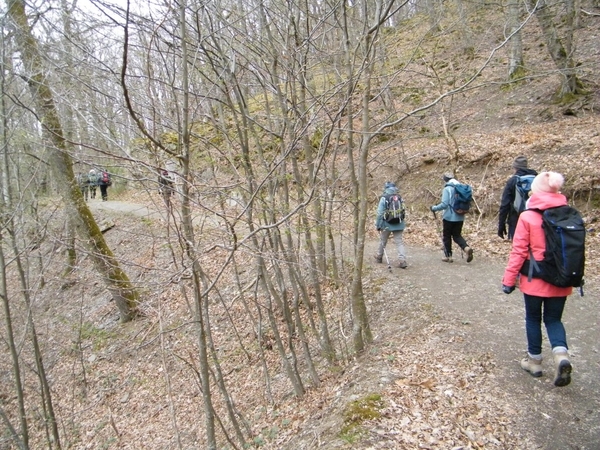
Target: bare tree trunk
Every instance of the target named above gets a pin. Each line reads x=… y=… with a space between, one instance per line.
x=5 y=194
x=125 y=296
x=349 y=113
x=200 y=299
x=167 y=376
x=290 y=368
x=361 y=329
x=46 y=394
x=10 y=340
x=434 y=14
x=515 y=45
x=560 y=53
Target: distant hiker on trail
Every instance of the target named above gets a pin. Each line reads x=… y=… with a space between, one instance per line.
x=93 y=182
x=543 y=301
x=452 y=221
x=104 y=181
x=165 y=185
x=82 y=181
x=390 y=220
x=514 y=196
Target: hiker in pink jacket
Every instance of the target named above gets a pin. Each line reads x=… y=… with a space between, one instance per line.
x=543 y=301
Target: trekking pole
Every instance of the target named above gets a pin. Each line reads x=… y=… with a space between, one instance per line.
x=385 y=254
x=439 y=230
x=387 y=259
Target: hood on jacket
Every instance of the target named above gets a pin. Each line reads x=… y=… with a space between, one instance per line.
x=452 y=182
x=545 y=200
x=391 y=190
x=521 y=172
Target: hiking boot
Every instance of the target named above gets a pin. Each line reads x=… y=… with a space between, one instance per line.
x=533 y=366
x=563 y=369
x=402 y=264
x=447 y=259
x=469 y=251
x=378 y=258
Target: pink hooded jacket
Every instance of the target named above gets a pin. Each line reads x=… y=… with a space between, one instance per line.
x=529 y=232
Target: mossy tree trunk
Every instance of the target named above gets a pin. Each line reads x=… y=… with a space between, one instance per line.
x=125 y=296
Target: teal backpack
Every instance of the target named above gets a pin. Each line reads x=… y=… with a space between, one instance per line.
x=463 y=196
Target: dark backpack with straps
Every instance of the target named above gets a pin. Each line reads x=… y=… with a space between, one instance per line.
x=564 y=259
x=522 y=189
x=395 y=210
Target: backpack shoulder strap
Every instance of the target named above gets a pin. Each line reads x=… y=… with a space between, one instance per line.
x=533 y=265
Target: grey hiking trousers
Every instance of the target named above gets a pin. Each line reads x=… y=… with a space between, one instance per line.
x=398 y=240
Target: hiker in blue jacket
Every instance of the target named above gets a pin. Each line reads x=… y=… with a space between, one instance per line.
x=386 y=228
x=451 y=220
x=507 y=215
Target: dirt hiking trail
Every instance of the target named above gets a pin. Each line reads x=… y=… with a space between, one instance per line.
x=476 y=321
x=447 y=348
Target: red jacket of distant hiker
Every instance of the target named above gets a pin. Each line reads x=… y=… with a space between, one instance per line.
x=528 y=233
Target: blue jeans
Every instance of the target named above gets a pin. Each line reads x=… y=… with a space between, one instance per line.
x=549 y=309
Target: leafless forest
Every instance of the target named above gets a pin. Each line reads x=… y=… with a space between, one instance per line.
x=190 y=325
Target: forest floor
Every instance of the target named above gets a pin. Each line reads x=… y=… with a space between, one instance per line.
x=443 y=369
x=445 y=363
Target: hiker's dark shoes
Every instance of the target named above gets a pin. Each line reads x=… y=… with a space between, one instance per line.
x=469 y=251
x=402 y=264
x=563 y=369
x=447 y=259
x=378 y=259
x=533 y=366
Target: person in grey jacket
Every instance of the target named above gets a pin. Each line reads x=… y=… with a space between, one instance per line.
x=452 y=221
x=386 y=229
x=93 y=182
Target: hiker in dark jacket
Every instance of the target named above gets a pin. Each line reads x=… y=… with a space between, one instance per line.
x=165 y=185
x=104 y=182
x=386 y=229
x=452 y=222
x=507 y=214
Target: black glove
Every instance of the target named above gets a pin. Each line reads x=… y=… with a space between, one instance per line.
x=507 y=289
x=378 y=229
x=431 y=209
x=502 y=231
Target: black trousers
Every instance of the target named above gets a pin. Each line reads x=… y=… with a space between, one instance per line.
x=103 y=191
x=452 y=231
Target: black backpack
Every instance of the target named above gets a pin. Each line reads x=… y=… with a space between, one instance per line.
x=522 y=189
x=166 y=178
x=463 y=196
x=395 y=210
x=564 y=259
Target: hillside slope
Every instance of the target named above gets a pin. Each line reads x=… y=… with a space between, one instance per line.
x=443 y=370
